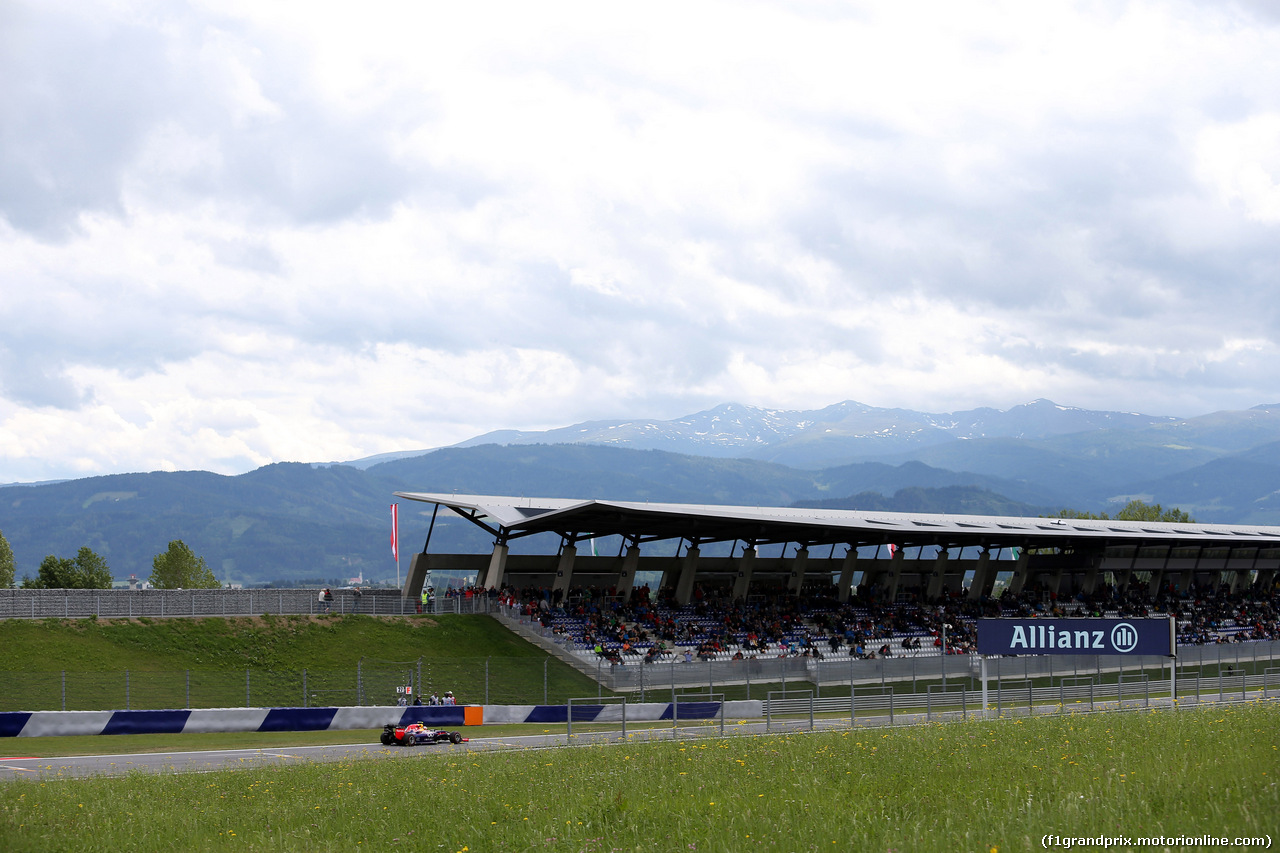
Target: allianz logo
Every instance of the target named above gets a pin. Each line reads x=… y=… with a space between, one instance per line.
x=1122 y=638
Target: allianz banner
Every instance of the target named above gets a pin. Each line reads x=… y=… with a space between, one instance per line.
x=1075 y=636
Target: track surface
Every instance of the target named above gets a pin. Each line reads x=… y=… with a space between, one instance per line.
x=234 y=759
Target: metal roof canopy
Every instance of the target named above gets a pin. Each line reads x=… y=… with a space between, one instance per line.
x=508 y=518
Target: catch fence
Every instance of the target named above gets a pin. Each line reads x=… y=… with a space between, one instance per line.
x=1018 y=697
x=474 y=681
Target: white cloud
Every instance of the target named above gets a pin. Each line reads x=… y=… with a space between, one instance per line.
x=1241 y=163
x=235 y=233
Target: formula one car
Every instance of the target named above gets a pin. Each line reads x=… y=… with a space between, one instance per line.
x=416 y=733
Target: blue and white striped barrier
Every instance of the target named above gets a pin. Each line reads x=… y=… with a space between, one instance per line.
x=612 y=713
x=46 y=723
x=52 y=723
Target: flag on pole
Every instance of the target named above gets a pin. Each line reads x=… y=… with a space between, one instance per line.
x=395 y=532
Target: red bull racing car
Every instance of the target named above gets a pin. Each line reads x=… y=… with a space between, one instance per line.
x=416 y=733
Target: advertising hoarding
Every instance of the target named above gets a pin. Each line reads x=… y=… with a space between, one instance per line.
x=1076 y=636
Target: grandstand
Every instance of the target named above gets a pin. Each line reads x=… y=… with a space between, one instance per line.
x=888 y=556
x=887 y=586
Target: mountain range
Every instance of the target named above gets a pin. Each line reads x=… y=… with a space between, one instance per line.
x=290 y=522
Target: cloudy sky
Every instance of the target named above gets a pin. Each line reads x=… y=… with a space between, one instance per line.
x=239 y=232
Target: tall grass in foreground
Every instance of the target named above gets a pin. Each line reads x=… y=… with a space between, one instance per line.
x=971 y=786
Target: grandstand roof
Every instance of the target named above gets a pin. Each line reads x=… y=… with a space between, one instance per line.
x=515 y=517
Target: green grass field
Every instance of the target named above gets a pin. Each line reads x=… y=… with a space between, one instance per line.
x=262 y=642
x=202 y=663
x=986 y=785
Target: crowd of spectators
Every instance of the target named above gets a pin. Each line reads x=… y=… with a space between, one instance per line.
x=648 y=626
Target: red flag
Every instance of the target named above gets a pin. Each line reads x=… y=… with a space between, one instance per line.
x=395 y=531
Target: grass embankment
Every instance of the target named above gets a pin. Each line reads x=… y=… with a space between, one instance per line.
x=261 y=642
x=177 y=663
x=973 y=786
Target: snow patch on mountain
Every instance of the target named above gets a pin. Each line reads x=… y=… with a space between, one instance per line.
x=846 y=429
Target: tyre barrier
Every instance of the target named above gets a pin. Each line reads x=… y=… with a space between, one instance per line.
x=54 y=723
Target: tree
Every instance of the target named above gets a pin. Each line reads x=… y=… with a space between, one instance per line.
x=6 y=563
x=92 y=571
x=87 y=570
x=55 y=573
x=1134 y=511
x=1139 y=511
x=180 y=568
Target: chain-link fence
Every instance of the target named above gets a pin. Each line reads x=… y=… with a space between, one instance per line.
x=473 y=681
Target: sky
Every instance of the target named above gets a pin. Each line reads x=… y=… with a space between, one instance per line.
x=235 y=232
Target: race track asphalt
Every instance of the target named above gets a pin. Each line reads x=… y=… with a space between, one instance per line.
x=233 y=759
